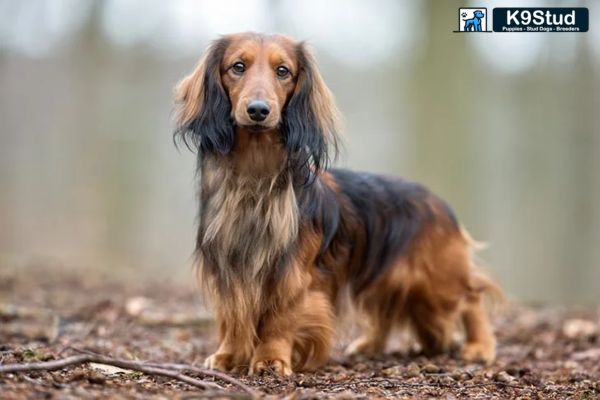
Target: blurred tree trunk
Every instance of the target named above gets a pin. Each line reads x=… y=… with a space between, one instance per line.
x=444 y=81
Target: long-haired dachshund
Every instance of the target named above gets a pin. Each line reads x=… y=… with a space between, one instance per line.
x=282 y=237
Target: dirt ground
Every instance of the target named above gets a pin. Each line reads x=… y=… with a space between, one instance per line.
x=549 y=353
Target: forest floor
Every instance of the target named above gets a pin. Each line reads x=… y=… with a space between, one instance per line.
x=543 y=352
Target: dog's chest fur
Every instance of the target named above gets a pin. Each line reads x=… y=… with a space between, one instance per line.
x=247 y=224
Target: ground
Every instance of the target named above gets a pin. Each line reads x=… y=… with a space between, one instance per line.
x=543 y=352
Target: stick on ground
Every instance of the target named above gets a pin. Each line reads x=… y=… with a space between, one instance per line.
x=189 y=368
x=210 y=373
x=154 y=369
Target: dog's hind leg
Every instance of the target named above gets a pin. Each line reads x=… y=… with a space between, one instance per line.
x=379 y=308
x=314 y=335
x=374 y=334
x=433 y=328
x=480 y=343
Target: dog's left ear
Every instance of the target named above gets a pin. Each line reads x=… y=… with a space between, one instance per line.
x=203 y=108
x=310 y=118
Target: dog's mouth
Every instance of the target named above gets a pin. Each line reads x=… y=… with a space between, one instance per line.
x=256 y=127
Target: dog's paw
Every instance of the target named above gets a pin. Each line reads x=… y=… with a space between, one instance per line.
x=479 y=352
x=220 y=361
x=277 y=367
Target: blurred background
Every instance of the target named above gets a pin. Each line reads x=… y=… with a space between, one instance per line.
x=506 y=127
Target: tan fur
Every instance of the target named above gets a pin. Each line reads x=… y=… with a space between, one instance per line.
x=189 y=92
x=274 y=290
x=433 y=288
x=241 y=206
x=323 y=102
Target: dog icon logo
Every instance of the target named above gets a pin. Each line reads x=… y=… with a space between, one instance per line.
x=472 y=20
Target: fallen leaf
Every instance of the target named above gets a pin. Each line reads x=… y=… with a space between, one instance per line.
x=136 y=305
x=579 y=328
x=109 y=369
x=589 y=354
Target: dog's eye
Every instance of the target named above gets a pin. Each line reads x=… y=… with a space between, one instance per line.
x=238 y=68
x=282 y=71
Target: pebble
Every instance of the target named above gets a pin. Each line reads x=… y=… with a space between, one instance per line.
x=571 y=364
x=413 y=370
x=503 y=377
x=458 y=375
x=339 y=377
x=579 y=328
x=96 y=377
x=361 y=367
x=392 y=371
x=431 y=369
x=448 y=381
x=346 y=395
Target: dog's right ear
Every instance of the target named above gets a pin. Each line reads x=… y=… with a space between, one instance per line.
x=203 y=110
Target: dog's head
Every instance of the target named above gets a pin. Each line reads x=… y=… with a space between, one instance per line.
x=258 y=83
x=478 y=14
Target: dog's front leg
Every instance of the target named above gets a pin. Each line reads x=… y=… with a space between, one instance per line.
x=235 y=349
x=274 y=349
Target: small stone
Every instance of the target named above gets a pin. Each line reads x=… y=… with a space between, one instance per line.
x=579 y=328
x=77 y=375
x=96 y=378
x=336 y=378
x=457 y=375
x=448 y=381
x=374 y=392
x=589 y=354
x=413 y=371
x=345 y=395
x=503 y=377
x=392 y=371
x=136 y=305
x=431 y=369
x=570 y=364
x=361 y=367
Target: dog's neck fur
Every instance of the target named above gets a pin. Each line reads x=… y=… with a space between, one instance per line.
x=249 y=214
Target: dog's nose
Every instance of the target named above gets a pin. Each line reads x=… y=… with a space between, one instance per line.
x=258 y=110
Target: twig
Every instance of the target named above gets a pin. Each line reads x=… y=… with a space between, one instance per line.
x=87 y=358
x=212 y=374
x=86 y=332
x=46 y=365
x=190 y=368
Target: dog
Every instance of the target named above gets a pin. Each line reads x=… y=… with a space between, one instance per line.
x=283 y=238
x=474 y=24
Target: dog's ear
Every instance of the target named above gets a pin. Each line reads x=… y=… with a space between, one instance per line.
x=310 y=118
x=202 y=105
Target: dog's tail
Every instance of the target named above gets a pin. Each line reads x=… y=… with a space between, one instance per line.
x=479 y=281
